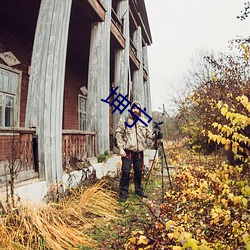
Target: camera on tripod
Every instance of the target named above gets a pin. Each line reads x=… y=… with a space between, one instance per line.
x=157 y=131
x=159 y=148
x=157 y=125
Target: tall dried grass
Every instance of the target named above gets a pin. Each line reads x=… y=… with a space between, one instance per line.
x=62 y=225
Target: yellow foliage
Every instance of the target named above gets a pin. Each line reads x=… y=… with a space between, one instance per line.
x=170 y=235
x=142 y=240
x=204 y=247
x=227 y=146
x=245 y=203
x=137 y=232
x=176 y=233
x=176 y=248
x=244 y=101
x=245 y=191
x=229 y=135
x=223 y=111
x=184 y=237
x=191 y=243
x=246 y=51
x=236 y=226
x=209 y=198
x=133 y=240
x=246 y=239
x=227 y=219
x=224 y=202
x=169 y=224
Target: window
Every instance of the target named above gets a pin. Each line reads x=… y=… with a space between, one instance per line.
x=82 y=103
x=9 y=97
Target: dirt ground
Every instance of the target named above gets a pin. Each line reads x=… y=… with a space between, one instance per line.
x=137 y=213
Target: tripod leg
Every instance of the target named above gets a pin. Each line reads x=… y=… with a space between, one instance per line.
x=150 y=170
x=165 y=158
x=162 y=178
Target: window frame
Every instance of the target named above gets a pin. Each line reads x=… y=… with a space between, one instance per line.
x=17 y=95
x=79 y=111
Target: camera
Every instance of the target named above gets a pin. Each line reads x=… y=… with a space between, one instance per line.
x=157 y=125
x=157 y=132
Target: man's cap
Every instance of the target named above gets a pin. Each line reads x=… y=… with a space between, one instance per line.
x=137 y=103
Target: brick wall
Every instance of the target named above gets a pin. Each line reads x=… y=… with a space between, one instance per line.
x=19 y=42
x=74 y=80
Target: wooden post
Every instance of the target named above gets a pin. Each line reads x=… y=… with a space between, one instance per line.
x=122 y=68
x=138 y=74
x=147 y=90
x=99 y=80
x=45 y=96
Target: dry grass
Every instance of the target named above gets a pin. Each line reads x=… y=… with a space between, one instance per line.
x=60 y=225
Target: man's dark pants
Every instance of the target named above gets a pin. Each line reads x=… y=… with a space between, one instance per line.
x=135 y=158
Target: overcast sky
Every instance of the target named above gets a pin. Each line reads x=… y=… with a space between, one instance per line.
x=181 y=28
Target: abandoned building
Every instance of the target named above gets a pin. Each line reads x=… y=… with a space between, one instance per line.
x=58 y=61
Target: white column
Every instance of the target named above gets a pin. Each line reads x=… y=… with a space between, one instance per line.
x=99 y=80
x=138 y=74
x=121 y=76
x=45 y=96
x=147 y=90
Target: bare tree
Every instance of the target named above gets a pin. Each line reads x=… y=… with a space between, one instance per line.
x=245 y=12
x=12 y=167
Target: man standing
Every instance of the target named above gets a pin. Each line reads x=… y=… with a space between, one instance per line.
x=132 y=141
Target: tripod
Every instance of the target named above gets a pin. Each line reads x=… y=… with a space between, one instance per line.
x=161 y=152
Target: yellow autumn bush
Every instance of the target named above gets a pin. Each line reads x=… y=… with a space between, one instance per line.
x=234 y=135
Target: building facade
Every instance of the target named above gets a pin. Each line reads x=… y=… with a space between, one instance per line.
x=58 y=61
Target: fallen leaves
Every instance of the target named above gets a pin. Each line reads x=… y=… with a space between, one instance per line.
x=208 y=208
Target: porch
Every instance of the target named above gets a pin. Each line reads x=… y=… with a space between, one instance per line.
x=19 y=152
